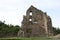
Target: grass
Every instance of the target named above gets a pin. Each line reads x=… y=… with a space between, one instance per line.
x=31 y=38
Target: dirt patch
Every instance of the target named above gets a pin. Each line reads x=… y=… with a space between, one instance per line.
x=57 y=36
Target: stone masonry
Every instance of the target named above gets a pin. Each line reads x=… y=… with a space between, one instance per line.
x=36 y=23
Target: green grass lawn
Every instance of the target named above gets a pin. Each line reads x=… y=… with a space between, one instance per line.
x=31 y=38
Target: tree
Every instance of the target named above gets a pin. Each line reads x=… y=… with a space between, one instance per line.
x=57 y=31
x=6 y=29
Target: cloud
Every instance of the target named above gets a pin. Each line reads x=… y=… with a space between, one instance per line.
x=13 y=10
x=47 y=3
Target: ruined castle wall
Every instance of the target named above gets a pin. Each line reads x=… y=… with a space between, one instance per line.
x=36 y=24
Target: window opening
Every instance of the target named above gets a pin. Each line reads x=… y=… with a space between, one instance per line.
x=30 y=19
x=30 y=13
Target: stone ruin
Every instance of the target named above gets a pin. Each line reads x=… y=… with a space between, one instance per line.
x=36 y=23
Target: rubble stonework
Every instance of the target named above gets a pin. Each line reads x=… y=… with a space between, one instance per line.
x=36 y=23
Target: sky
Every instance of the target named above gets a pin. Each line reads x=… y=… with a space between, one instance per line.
x=12 y=11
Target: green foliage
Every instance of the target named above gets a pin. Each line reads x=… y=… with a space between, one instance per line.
x=57 y=31
x=5 y=29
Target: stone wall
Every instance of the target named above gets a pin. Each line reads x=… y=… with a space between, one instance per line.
x=36 y=23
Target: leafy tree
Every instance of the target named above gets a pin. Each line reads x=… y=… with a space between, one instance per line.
x=57 y=31
x=5 y=29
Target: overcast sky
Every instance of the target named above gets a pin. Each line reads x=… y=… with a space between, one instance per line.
x=12 y=11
